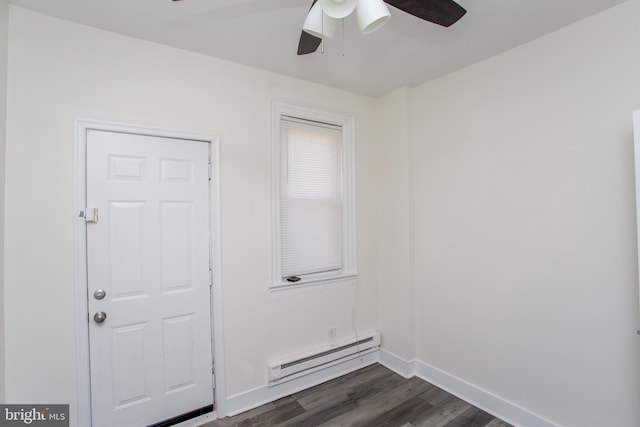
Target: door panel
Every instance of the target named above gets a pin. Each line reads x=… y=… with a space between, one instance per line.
x=149 y=251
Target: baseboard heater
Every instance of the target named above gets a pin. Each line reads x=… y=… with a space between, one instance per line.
x=307 y=363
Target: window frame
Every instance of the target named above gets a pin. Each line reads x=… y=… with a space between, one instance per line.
x=348 y=273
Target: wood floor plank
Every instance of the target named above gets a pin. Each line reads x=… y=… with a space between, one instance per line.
x=496 y=422
x=435 y=396
x=349 y=380
x=320 y=416
x=368 y=410
x=447 y=411
x=371 y=397
x=359 y=389
x=406 y=413
x=274 y=416
x=472 y=417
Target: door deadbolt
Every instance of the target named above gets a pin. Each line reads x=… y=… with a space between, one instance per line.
x=100 y=317
x=99 y=294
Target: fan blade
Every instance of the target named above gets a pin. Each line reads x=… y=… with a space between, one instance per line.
x=441 y=12
x=308 y=43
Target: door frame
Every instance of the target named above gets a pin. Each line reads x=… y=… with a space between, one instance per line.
x=80 y=237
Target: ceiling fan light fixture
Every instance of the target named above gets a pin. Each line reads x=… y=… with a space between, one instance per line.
x=371 y=14
x=318 y=23
x=338 y=8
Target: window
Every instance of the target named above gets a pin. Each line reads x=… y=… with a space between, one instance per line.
x=313 y=207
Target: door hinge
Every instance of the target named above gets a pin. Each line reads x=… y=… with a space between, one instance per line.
x=210 y=277
x=89 y=214
x=210 y=171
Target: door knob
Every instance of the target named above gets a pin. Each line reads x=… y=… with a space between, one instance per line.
x=100 y=317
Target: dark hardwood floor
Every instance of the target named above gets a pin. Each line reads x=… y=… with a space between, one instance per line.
x=373 y=396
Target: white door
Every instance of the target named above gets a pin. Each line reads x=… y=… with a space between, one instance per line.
x=148 y=273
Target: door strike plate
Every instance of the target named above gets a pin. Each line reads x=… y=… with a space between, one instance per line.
x=90 y=215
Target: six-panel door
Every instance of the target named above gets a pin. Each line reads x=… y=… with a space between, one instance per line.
x=148 y=253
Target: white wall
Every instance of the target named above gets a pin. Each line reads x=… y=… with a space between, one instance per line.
x=395 y=266
x=526 y=280
x=4 y=31
x=499 y=199
x=59 y=71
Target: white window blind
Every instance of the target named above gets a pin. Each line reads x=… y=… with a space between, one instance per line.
x=311 y=197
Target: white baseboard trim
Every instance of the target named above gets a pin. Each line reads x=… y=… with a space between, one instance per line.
x=487 y=401
x=259 y=396
x=483 y=399
x=405 y=368
x=478 y=397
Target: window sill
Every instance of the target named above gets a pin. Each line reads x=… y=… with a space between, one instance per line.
x=346 y=279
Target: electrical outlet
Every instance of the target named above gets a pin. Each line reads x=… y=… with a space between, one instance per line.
x=332 y=334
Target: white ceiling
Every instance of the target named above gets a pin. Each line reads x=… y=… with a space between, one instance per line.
x=264 y=33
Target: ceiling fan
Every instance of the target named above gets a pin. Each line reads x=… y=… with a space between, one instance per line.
x=372 y=14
